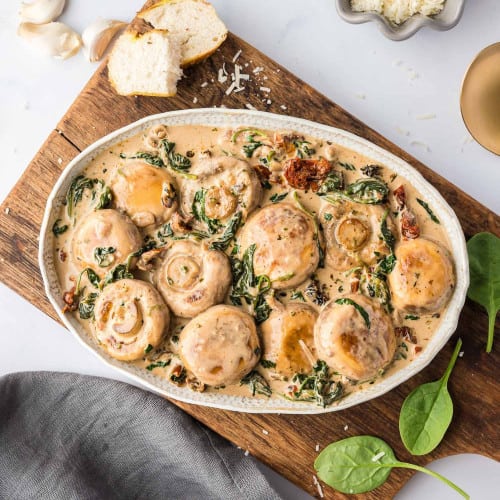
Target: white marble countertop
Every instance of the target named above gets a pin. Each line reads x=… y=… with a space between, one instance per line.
x=391 y=86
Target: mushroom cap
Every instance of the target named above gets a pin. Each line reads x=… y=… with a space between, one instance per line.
x=130 y=315
x=286 y=247
x=147 y=194
x=220 y=346
x=192 y=278
x=352 y=234
x=423 y=278
x=104 y=229
x=347 y=345
x=232 y=185
x=281 y=333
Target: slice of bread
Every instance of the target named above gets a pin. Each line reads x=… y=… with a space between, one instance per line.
x=194 y=21
x=145 y=61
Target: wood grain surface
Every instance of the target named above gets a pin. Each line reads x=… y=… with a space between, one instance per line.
x=290 y=445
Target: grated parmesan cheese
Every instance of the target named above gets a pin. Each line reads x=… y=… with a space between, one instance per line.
x=398 y=11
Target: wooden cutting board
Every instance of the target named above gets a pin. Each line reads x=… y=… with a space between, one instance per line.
x=289 y=445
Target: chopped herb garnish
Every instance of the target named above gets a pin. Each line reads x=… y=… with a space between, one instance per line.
x=158 y=364
x=267 y=364
x=257 y=384
x=371 y=170
x=412 y=317
x=328 y=216
x=302 y=149
x=178 y=378
x=349 y=302
x=428 y=210
x=297 y=295
x=276 y=198
x=148 y=348
x=57 y=229
x=347 y=166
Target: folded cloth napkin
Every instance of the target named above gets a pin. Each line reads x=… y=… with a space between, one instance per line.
x=67 y=436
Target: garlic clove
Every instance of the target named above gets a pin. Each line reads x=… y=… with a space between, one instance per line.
x=98 y=35
x=41 y=11
x=54 y=39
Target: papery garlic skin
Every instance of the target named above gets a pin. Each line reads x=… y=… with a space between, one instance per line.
x=98 y=35
x=54 y=39
x=41 y=11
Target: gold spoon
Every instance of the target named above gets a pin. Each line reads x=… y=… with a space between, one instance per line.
x=480 y=98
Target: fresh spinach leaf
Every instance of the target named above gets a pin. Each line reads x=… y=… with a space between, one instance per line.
x=177 y=162
x=105 y=196
x=75 y=192
x=86 y=306
x=362 y=463
x=148 y=348
x=345 y=301
x=302 y=149
x=102 y=256
x=428 y=210
x=297 y=295
x=427 y=412
x=198 y=208
x=91 y=276
x=57 y=229
x=371 y=170
x=152 y=159
x=257 y=384
x=333 y=182
x=412 y=317
x=366 y=191
x=120 y=272
x=250 y=148
x=484 y=269
x=229 y=233
x=317 y=386
x=387 y=236
x=158 y=364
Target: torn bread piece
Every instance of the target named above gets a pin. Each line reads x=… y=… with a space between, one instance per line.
x=145 y=61
x=194 y=21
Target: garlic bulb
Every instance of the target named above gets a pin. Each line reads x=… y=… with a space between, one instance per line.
x=98 y=35
x=41 y=11
x=54 y=39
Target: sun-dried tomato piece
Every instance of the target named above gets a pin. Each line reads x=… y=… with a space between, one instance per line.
x=409 y=225
x=306 y=174
x=406 y=333
x=70 y=301
x=400 y=196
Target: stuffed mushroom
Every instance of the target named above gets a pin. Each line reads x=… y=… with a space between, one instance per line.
x=147 y=194
x=355 y=337
x=288 y=339
x=225 y=185
x=130 y=315
x=104 y=239
x=353 y=234
x=220 y=346
x=423 y=279
x=286 y=244
x=192 y=278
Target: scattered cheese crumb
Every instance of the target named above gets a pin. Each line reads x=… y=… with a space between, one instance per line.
x=204 y=84
x=238 y=54
x=269 y=101
x=402 y=131
x=195 y=100
x=231 y=88
x=317 y=447
x=318 y=486
x=264 y=89
x=59 y=160
x=461 y=354
x=421 y=144
x=428 y=116
x=257 y=70
x=283 y=107
x=246 y=453
x=7 y=211
x=265 y=432
x=346 y=427
x=249 y=106
x=378 y=456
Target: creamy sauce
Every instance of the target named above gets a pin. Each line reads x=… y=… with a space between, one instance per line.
x=198 y=143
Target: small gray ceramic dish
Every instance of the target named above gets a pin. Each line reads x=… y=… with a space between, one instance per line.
x=445 y=20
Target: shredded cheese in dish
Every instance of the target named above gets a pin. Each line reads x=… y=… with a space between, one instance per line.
x=398 y=11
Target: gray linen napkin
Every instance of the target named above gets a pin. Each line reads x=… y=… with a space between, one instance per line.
x=67 y=436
